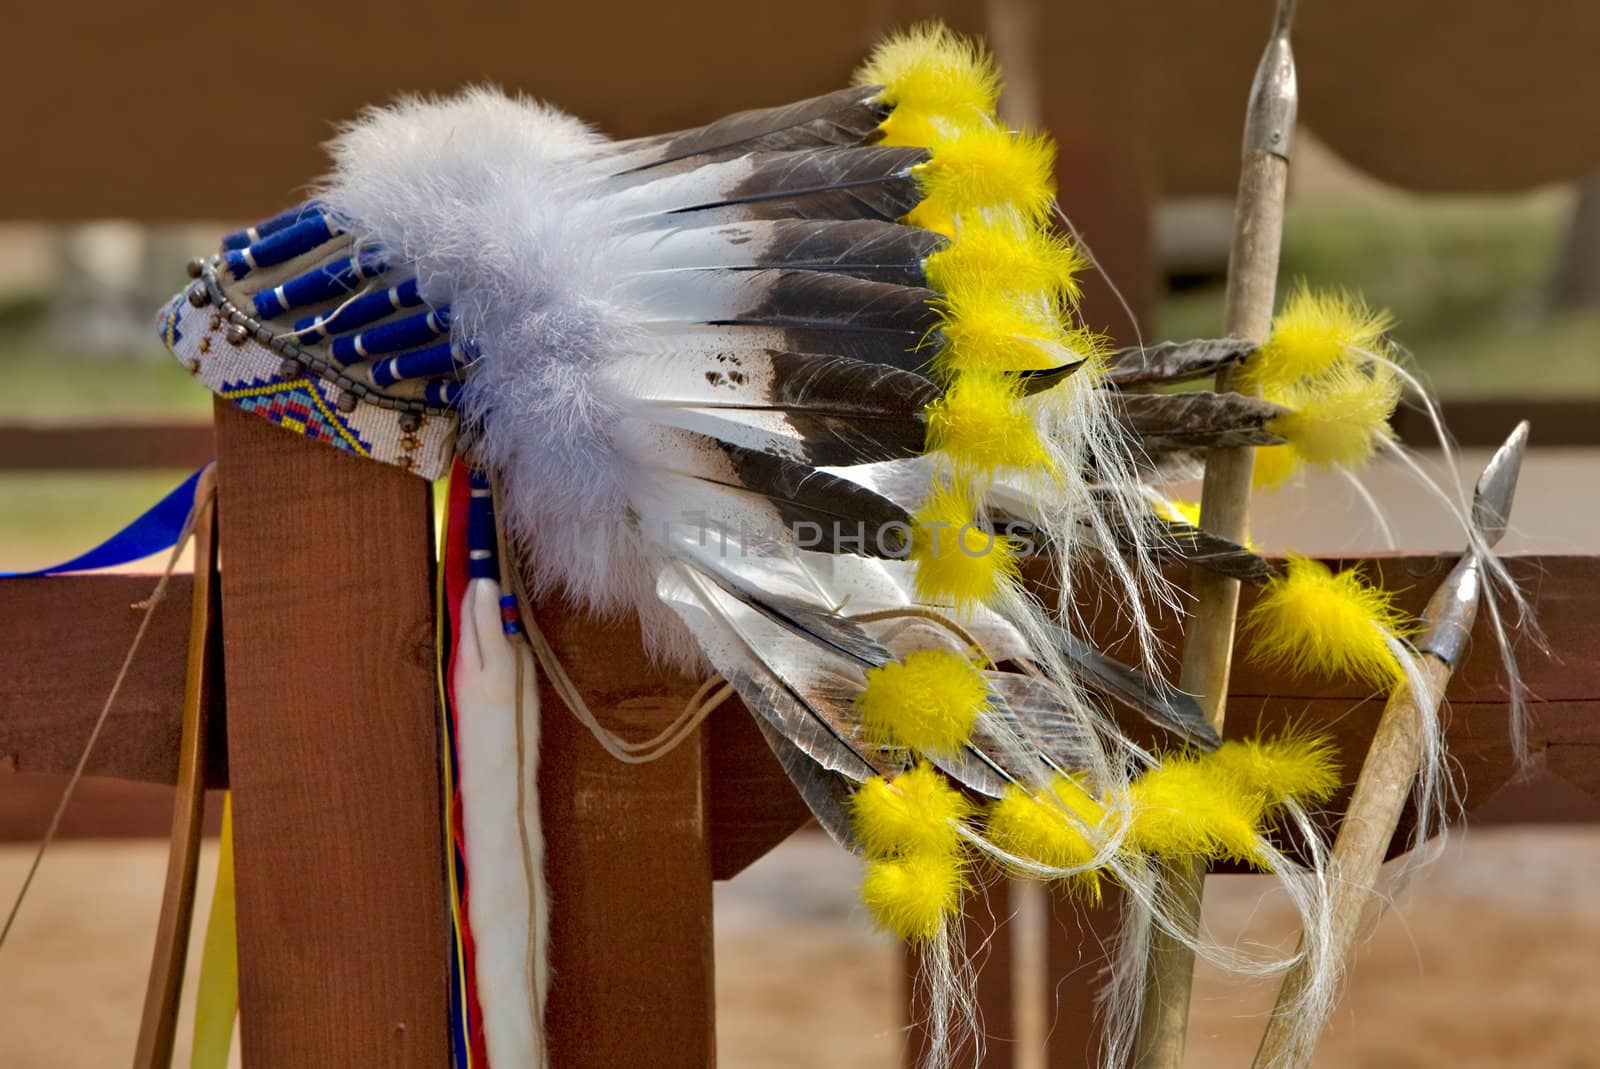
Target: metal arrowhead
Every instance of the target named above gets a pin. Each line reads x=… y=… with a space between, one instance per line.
x=1497 y=486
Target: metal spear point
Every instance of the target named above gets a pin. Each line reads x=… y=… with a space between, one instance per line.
x=1393 y=759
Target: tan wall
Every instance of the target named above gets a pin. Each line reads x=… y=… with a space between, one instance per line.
x=217 y=109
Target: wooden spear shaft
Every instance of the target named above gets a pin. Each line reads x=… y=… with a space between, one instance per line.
x=1224 y=511
x=1358 y=853
x=1391 y=765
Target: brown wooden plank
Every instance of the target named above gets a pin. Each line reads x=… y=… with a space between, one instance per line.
x=986 y=933
x=105 y=446
x=54 y=672
x=1079 y=941
x=1563 y=591
x=1111 y=206
x=334 y=747
x=62 y=641
x=751 y=805
x=100 y=809
x=990 y=937
x=628 y=859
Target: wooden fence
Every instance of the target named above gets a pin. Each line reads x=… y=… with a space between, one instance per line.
x=331 y=739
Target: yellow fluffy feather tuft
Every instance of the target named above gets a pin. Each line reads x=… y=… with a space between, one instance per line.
x=988 y=330
x=1274 y=466
x=929 y=701
x=1194 y=807
x=1302 y=767
x=957 y=560
x=1038 y=827
x=1337 y=419
x=931 y=77
x=1179 y=511
x=1313 y=334
x=915 y=813
x=984 y=169
x=914 y=896
x=930 y=216
x=1311 y=621
x=982 y=425
x=1010 y=259
x=1189 y=512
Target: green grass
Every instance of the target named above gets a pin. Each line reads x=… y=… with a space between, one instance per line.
x=42 y=382
x=1463 y=276
x=49 y=517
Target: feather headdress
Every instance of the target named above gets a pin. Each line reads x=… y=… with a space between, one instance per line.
x=803 y=391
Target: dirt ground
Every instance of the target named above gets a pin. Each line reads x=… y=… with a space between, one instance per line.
x=1489 y=961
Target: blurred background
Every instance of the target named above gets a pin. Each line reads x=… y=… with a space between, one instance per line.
x=1447 y=167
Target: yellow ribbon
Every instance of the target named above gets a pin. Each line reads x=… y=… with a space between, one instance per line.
x=217 y=995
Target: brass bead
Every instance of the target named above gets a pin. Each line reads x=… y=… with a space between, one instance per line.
x=199 y=296
x=194 y=267
x=237 y=334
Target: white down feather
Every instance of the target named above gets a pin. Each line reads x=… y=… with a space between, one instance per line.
x=480 y=194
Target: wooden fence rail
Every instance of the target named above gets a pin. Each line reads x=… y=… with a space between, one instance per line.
x=331 y=751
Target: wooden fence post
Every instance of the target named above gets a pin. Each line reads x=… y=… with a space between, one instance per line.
x=1079 y=941
x=987 y=933
x=628 y=860
x=333 y=739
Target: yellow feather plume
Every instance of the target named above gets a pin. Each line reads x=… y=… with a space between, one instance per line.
x=1010 y=259
x=1189 y=512
x=932 y=78
x=1038 y=827
x=934 y=217
x=1302 y=767
x=956 y=559
x=929 y=701
x=1179 y=511
x=984 y=169
x=987 y=330
x=1274 y=466
x=982 y=425
x=915 y=813
x=914 y=896
x=1193 y=807
x=1312 y=621
x=1313 y=334
x=1337 y=419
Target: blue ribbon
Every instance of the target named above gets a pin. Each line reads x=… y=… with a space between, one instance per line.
x=156 y=530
